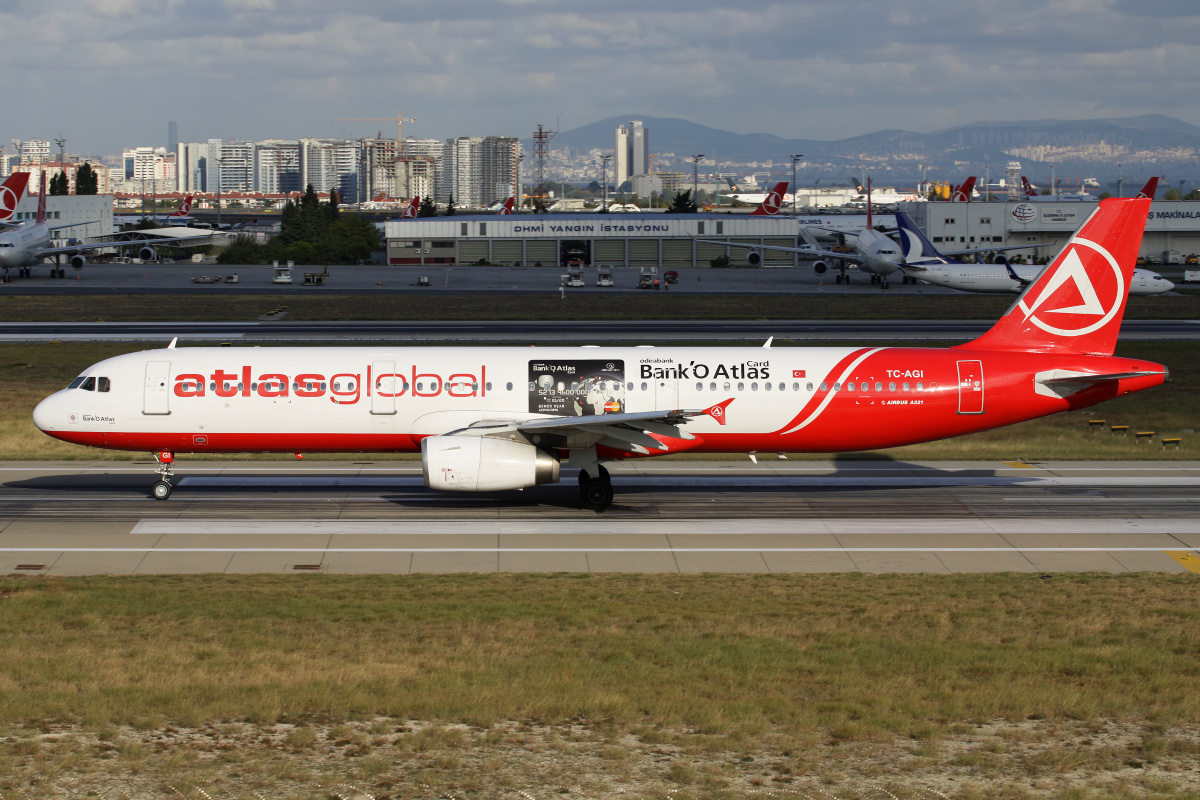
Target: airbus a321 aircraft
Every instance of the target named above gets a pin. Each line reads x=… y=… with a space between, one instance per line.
x=495 y=418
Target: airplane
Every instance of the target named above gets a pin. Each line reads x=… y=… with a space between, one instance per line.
x=757 y=198
x=11 y=192
x=507 y=207
x=923 y=261
x=489 y=419
x=1031 y=195
x=180 y=216
x=26 y=245
x=1149 y=189
x=410 y=211
x=772 y=201
x=883 y=198
x=962 y=194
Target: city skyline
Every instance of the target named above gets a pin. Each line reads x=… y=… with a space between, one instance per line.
x=257 y=69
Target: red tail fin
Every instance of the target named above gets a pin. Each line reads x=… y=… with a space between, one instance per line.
x=11 y=193
x=1026 y=189
x=1077 y=303
x=507 y=208
x=1149 y=189
x=41 y=213
x=411 y=211
x=184 y=209
x=771 y=203
x=963 y=193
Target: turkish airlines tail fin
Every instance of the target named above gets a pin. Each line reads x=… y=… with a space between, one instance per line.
x=771 y=203
x=11 y=193
x=963 y=193
x=507 y=208
x=1026 y=189
x=411 y=211
x=185 y=208
x=1076 y=304
x=1149 y=189
x=41 y=212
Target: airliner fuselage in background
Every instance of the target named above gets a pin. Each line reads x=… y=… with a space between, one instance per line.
x=495 y=418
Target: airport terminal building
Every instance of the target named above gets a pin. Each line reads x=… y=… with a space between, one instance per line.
x=667 y=241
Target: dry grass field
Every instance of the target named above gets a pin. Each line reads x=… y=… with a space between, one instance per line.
x=593 y=686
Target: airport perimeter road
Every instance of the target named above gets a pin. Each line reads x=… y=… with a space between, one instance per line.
x=669 y=516
x=544 y=331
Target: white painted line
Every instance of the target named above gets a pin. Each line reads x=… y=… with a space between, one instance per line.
x=595 y=549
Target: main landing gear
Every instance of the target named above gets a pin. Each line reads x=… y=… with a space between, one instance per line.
x=162 y=489
x=596 y=492
x=881 y=280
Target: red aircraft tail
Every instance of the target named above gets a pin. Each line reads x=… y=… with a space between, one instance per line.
x=410 y=212
x=41 y=212
x=1026 y=189
x=1076 y=304
x=185 y=208
x=1149 y=189
x=11 y=193
x=963 y=193
x=771 y=203
x=507 y=208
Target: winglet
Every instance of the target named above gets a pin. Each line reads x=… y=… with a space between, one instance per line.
x=717 y=412
x=767 y=343
x=171 y=346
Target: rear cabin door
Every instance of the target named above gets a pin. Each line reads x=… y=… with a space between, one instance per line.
x=970 y=387
x=158 y=380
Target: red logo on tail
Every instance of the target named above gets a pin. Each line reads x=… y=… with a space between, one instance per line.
x=411 y=211
x=771 y=203
x=11 y=193
x=717 y=412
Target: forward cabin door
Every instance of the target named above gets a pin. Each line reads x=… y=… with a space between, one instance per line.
x=384 y=386
x=970 y=387
x=157 y=394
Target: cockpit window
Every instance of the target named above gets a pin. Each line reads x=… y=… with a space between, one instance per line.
x=102 y=384
x=88 y=385
x=76 y=383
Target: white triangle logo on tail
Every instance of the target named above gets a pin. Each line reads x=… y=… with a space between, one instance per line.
x=1072 y=270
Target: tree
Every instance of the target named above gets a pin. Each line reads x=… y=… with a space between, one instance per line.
x=450 y=209
x=682 y=204
x=427 y=208
x=1105 y=195
x=1194 y=194
x=331 y=214
x=86 y=180
x=59 y=185
x=1172 y=194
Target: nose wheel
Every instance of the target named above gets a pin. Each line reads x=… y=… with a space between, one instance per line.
x=162 y=488
x=596 y=492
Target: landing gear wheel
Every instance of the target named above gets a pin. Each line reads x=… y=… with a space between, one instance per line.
x=884 y=283
x=838 y=278
x=596 y=494
x=161 y=490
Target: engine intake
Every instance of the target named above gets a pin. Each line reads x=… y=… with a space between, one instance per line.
x=820 y=267
x=146 y=254
x=479 y=464
x=77 y=262
x=754 y=258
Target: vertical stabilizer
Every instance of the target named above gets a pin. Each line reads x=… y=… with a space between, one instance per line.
x=963 y=193
x=772 y=202
x=410 y=212
x=1149 y=189
x=507 y=208
x=1076 y=304
x=41 y=212
x=914 y=244
x=11 y=193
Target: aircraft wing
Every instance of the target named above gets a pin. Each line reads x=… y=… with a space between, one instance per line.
x=996 y=249
x=182 y=241
x=619 y=431
x=806 y=253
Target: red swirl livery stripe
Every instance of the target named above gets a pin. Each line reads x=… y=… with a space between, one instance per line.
x=820 y=399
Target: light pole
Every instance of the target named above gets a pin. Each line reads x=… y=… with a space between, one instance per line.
x=921 y=188
x=696 y=175
x=795 y=158
x=1120 y=181
x=1181 y=188
x=604 y=177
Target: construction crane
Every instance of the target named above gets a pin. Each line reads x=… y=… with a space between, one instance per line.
x=400 y=120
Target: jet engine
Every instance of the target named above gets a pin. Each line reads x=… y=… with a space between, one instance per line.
x=146 y=254
x=754 y=258
x=999 y=258
x=820 y=267
x=77 y=262
x=461 y=463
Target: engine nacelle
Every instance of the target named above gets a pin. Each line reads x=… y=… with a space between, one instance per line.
x=146 y=254
x=77 y=262
x=1001 y=259
x=820 y=267
x=754 y=258
x=479 y=464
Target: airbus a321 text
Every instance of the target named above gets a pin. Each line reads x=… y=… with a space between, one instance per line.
x=500 y=418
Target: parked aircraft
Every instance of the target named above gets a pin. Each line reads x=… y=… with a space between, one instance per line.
x=507 y=207
x=11 y=192
x=410 y=211
x=772 y=202
x=27 y=244
x=1149 y=189
x=758 y=198
x=1032 y=196
x=181 y=216
x=923 y=261
x=881 y=198
x=500 y=418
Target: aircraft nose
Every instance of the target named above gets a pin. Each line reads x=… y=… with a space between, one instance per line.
x=43 y=414
x=1170 y=285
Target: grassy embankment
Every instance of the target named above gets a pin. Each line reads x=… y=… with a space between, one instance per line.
x=200 y=307
x=29 y=372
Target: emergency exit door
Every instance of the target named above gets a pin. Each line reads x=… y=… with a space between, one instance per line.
x=970 y=387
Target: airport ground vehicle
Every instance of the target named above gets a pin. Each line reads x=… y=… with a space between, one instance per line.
x=502 y=418
x=671 y=276
x=604 y=275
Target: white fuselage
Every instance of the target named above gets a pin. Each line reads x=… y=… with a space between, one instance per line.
x=19 y=246
x=994 y=278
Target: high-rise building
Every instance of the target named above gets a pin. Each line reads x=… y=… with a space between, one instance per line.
x=376 y=169
x=417 y=172
x=33 y=151
x=479 y=170
x=172 y=136
x=277 y=166
x=632 y=151
x=151 y=169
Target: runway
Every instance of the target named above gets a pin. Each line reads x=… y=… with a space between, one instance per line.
x=526 y=331
x=669 y=517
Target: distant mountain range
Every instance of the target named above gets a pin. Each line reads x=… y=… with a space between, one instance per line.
x=1144 y=146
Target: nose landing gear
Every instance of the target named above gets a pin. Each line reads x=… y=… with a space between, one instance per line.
x=162 y=489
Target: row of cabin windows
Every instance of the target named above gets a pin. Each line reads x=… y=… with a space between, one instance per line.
x=91 y=384
x=851 y=386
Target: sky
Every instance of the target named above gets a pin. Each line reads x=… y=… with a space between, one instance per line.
x=110 y=74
